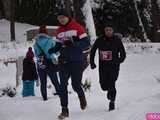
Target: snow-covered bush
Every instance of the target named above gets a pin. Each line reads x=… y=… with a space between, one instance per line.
x=87 y=85
x=8 y=91
x=139 y=48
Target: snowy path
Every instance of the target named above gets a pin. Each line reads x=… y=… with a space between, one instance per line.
x=138 y=93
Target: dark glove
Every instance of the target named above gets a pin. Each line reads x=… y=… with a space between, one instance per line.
x=56 y=48
x=68 y=43
x=93 y=65
x=51 y=50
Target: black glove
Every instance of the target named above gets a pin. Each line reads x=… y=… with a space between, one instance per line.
x=93 y=65
x=68 y=43
x=56 y=48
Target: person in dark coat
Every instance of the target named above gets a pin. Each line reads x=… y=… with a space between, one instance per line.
x=74 y=40
x=29 y=74
x=111 y=55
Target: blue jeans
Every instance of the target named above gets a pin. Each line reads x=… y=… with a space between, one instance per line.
x=28 y=88
x=43 y=80
x=75 y=71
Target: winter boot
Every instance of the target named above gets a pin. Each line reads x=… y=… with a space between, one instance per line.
x=64 y=113
x=83 y=102
x=45 y=98
x=111 y=105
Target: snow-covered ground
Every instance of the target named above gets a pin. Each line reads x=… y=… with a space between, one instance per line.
x=138 y=88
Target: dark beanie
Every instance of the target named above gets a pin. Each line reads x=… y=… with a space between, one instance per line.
x=62 y=12
x=109 y=25
x=108 y=21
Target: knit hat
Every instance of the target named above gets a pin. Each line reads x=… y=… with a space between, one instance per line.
x=108 y=21
x=42 y=29
x=108 y=24
x=29 y=53
x=63 y=12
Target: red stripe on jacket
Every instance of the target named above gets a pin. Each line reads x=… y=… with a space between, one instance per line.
x=70 y=30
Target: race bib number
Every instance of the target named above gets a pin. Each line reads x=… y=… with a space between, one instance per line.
x=106 y=55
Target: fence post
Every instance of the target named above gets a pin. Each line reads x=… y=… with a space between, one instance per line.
x=19 y=70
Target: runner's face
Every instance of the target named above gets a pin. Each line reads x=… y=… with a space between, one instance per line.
x=62 y=19
x=108 y=31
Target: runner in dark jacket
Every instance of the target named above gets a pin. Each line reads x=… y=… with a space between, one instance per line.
x=74 y=40
x=111 y=54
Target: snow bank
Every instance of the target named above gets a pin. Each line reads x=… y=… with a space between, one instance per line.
x=142 y=48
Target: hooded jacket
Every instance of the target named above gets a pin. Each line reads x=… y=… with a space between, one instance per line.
x=46 y=43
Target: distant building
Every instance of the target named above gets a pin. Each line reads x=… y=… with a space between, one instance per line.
x=32 y=32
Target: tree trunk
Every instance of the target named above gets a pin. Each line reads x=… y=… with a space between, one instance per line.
x=6 y=5
x=68 y=6
x=12 y=20
x=1 y=9
x=140 y=22
x=78 y=15
x=19 y=70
